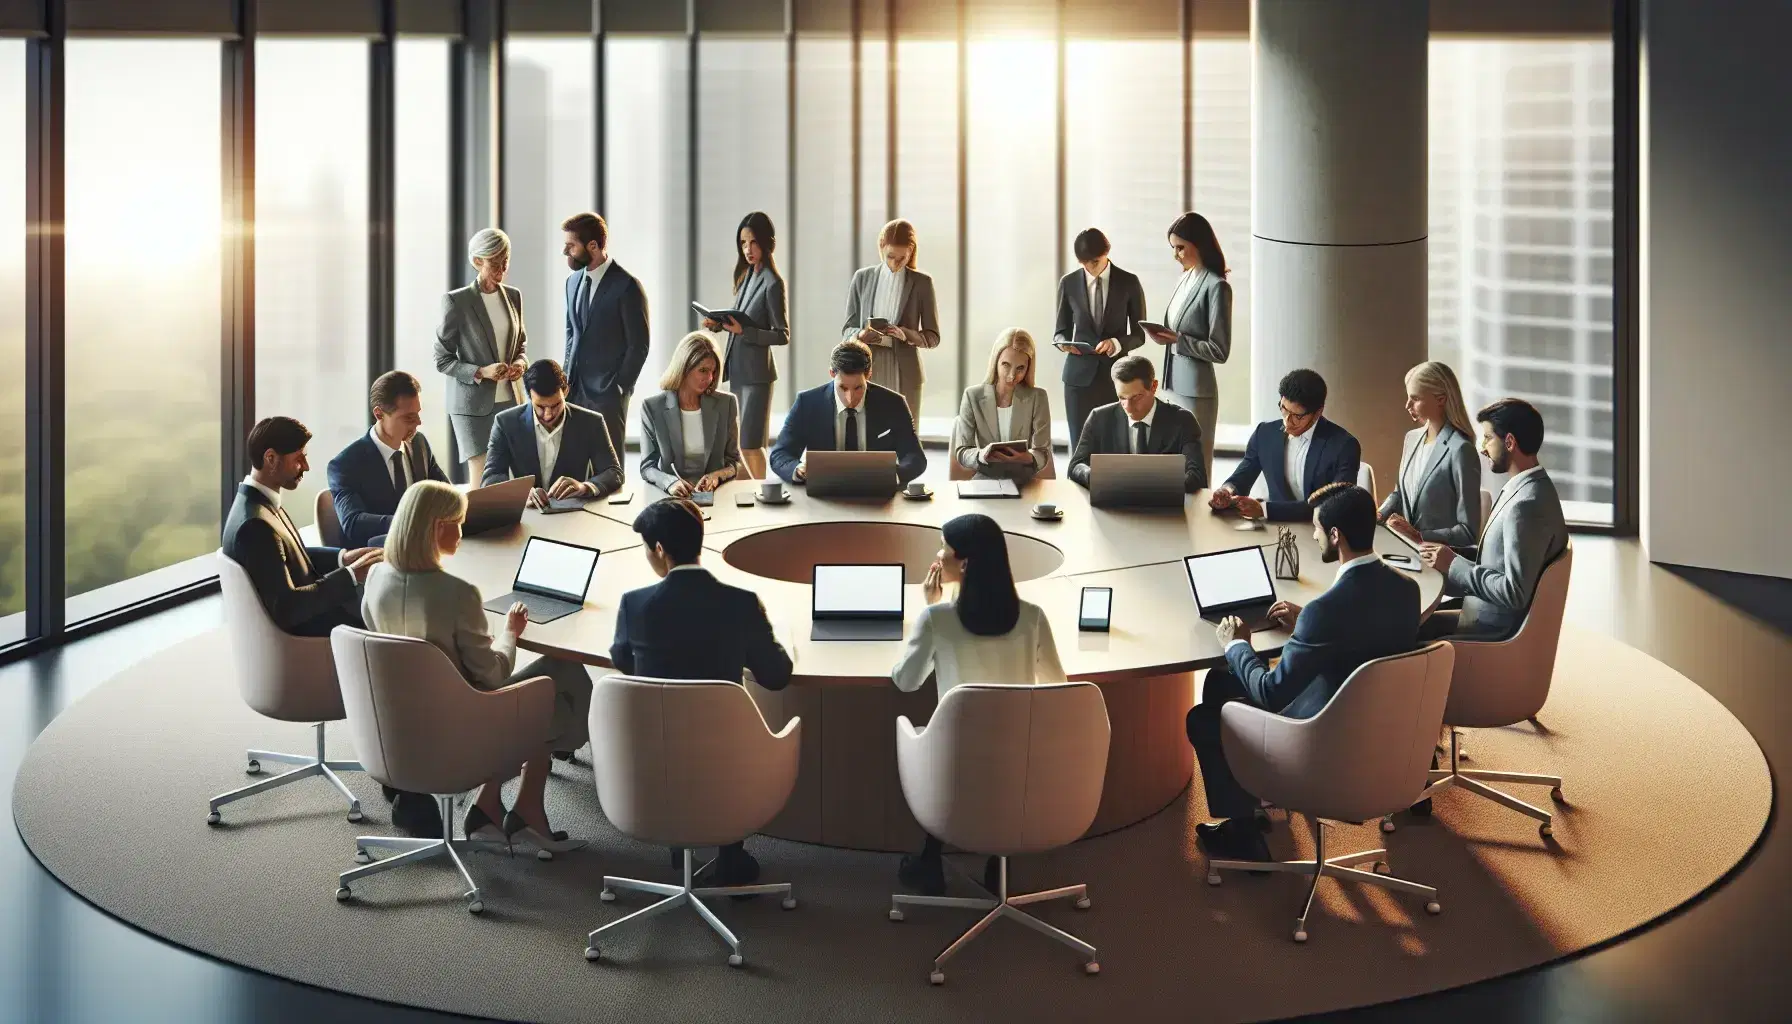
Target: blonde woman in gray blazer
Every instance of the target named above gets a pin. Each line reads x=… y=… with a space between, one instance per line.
x=1005 y=407
x=748 y=369
x=1437 y=494
x=481 y=346
x=414 y=596
x=1199 y=322
x=895 y=291
x=690 y=432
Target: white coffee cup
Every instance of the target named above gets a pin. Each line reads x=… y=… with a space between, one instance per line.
x=1045 y=508
x=917 y=487
x=771 y=490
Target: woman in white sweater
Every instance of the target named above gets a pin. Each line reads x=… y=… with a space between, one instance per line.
x=986 y=634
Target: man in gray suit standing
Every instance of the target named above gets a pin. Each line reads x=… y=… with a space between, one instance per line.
x=606 y=325
x=1524 y=533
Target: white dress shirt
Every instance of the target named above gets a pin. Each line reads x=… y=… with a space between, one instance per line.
x=1184 y=294
x=1342 y=569
x=691 y=420
x=1097 y=289
x=594 y=276
x=1005 y=423
x=1132 y=433
x=547 y=446
x=940 y=645
x=840 y=422
x=1294 y=461
x=499 y=312
x=386 y=453
x=886 y=301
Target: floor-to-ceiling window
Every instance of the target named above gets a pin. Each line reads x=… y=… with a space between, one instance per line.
x=143 y=278
x=1221 y=100
x=421 y=246
x=12 y=342
x=927 y=196
x=824 y=256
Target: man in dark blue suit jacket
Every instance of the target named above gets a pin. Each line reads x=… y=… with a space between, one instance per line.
x=691 y=625
x=849 y=413
x=368 y=477
x=585 y=463
x=1325 y=453
x=1370 y=611
x=606 y=325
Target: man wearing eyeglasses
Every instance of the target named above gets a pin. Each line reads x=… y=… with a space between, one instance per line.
x=1297 y=455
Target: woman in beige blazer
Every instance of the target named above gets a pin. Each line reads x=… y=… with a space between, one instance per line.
x=1005 y=407
x=903 y=298
x=414 y=596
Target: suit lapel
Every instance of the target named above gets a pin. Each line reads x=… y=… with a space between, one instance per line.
x=1436 y=459
x=711 y=408
x=986 y=411
x=1310 y=467
x=1278 y=456
x=908 y=291
x=1079 y=307
x=482 y=320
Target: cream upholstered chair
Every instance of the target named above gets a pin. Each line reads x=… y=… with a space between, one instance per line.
x=285 y=677
x=422 y=728
x=329 y=528
x=687 y=763
x=1363 y=756
x=1503 y=683
x=1006 y=770
x=1365 y=478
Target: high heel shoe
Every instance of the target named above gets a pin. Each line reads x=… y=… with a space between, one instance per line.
x=479 y=827
x=545 y=846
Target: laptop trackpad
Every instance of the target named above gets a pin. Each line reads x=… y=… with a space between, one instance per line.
x=541 y=609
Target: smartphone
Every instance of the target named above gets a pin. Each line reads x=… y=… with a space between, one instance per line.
x=1094 y=609
x=622 y=497
x=703 y=499
x=743 y=499
x=1397 y=557
x=1406 y=562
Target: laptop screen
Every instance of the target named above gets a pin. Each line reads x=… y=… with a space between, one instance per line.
x=858 y=592
x=550 y=567
x=1224 y=579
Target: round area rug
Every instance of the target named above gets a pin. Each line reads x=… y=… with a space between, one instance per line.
x=112 y=799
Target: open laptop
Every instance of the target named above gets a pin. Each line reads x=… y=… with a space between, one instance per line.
x=856 y=602
x=1136 y=481
x=1235 y=582
x=497 y=506
x=551 y=580
x=851 y=474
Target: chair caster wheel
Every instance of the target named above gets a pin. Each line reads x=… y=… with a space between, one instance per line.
x=1213 y=878
x=544 y=855
x=476 y=907
x=214 y=818
x=1434 y=907
x=1091 y=968
x=254 y=767
x=591 y=953
x=1545 y=831
x=342 y=894
x=354 y=815
x=608 y=895
x=1300 y=935
x=1082 y=904
x=1555 y=794
x=937 y=977
x=1387 y=824
x=736 y=960
x=895 y=915
x=363 y=857
x=789 y=903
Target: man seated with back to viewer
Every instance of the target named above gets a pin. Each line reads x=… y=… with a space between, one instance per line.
x=691 y=625
x=848 y=414
x=1525 y=532
x=1370 y=611
x=1297 y=455
x=307 y=591
x=565 y=447
x=369 y=476
x=1140 y=424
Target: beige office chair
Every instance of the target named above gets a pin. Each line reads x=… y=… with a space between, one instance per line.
x=329 y=528
x=285 y=677
x=1006 y=770
x=687 y=763
x=422 y=728
x=1363 y=756
x=1503 y=683
x=1365 y=478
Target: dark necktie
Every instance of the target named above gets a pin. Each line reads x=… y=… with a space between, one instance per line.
x=1138 y=430
x=584 y=300
x=398 y=471
x=852 y=430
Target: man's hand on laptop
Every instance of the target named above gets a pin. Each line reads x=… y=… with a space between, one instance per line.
x=1283 y=614
x=1232 y=628
x=516 y=618
x=567 y=487
x=538 y=498
x=802 y=472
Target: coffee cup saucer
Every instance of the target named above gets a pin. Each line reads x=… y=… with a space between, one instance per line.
x=923 y=496
x=1047 y=517
x=782 y=499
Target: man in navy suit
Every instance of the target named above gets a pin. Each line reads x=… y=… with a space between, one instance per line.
x=369 y=476
x=1370 y=611
x=691 y=625
x=851 y=414
x=564 y=447
x=1297 y=455
x=606 y=325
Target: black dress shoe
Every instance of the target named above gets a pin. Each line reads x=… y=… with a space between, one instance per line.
x=416 y=815
x=1233 y=839
x=923 y=874
x=389 y=793
x=735 y=866
x=1422 y=809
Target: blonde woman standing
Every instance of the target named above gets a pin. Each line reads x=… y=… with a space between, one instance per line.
x=1437 y=495
x=481 y=346
x=414 y=596
x=1005 y=407
x=901 y=299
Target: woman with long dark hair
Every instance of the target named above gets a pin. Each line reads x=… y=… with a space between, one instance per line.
x=1198 y=324
x=764 y=321
x=985 y=634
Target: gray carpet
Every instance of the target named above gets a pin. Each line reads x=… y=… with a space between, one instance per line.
x=111 y=799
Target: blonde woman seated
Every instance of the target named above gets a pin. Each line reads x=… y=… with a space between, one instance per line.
x=690 y=432
x=1437 y=496
x=1005 y=408
x=413 y=596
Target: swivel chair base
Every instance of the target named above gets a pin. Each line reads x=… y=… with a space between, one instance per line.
x=311 y=764
x=682 y=895
x=1342 y=868
x=412 y=851
x=1001 y=905
x=1474 y=780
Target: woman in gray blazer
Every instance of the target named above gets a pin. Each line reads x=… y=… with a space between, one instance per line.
x=1199 y=327
x=414 y=596
x=1005 y=407
x=690 y=432
x=765 y=321
x=1437 y=494
x=480 y=346
x=902 y=298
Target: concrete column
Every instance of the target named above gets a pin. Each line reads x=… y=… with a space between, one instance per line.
x=1338 y=95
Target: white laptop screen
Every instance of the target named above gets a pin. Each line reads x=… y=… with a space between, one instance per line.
x=563 y=570
x=1227 y=578
x=858 y=591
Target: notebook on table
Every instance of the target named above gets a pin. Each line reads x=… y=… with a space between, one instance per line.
x=986 y=488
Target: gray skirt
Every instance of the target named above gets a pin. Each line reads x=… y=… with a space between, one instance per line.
x=755 y=413
x=472 y=434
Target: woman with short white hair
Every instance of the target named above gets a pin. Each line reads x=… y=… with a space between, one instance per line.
x=481 y=346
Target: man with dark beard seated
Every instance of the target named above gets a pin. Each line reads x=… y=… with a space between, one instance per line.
x=1370 y=611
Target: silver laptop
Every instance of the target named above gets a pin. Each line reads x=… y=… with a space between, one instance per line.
x=497 y=506
x=1235 y=582
x=851 y=474
x=551 y=580
x=856 y=602
x=1136 y=481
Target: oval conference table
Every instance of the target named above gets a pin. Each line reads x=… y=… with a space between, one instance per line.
x=847 y=792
